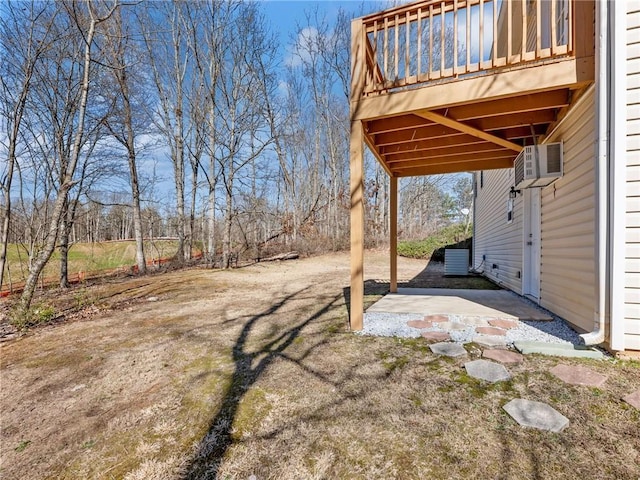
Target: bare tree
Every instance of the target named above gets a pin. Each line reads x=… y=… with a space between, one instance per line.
x=128 y=118
x=85 y=20
x=170 y=60
x=209 y=41
x=25 y=35
x=240 y=110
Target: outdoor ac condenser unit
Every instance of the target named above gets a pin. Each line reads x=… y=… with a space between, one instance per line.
x=538 y=165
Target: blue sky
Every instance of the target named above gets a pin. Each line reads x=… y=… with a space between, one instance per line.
x=285 y=15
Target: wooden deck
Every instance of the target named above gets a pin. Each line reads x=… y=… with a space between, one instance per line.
x=424 y=107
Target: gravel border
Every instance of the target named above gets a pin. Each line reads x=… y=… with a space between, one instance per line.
x=395 y=325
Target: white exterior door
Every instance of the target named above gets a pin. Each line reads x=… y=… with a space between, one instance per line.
x=531 y=247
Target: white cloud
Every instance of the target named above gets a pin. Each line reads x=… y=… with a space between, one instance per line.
x=301 y=50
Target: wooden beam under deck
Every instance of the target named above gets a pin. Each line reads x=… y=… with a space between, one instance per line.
x=515 y=120
x=485 y=148
x=394 y=124
x=454 y=124
x=458 y=140
x=372 y=147
x=455 y=167
x=523 y=132
x=423 y=133
x=466 y=158
x=518 y=104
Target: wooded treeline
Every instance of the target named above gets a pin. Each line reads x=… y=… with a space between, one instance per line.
x=96 y=96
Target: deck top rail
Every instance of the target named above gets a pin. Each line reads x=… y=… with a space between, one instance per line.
x=439 y=40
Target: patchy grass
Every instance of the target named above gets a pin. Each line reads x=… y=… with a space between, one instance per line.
x=40 y=313
x=210 y=374
x=424 y=249
x=87 y=257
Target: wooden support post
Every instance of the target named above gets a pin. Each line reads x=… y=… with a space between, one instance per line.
x=356 y=162
x=393 y=234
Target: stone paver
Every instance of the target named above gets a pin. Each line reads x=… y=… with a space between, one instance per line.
x=436 y=318
x=474 y=321
x=420 y=324
x=503 y=323
x=491 y=331
x=578 y=375
x=486 y=370
x=491 y=341
x=448 y=349
x=436 y=336
x=503 y=356
x=558 y=349
x=452 y=326
x=536 y=415
x=633 y=399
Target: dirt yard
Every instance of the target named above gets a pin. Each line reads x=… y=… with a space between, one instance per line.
x=228 y=374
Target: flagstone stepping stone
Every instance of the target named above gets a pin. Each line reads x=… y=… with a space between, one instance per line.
x=448 y=349
x=503 y=323
x=536 y=415
x=474 y=321
x=486 y=370
x=491 y=331
x=578 y=375
x=491 y=341
x=503 y=356
x=420 y=324
x=452 y=326
x=633 y=399
x=437 y=318
x=436 y=336
x=558 y=349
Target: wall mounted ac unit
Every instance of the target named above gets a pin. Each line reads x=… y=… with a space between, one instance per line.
x=538 y=165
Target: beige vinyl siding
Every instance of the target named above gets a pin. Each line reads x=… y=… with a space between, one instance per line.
x=499 y=241
x=632 y=214
x=567 y=271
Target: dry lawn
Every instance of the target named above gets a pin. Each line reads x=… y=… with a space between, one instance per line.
x=228 y=374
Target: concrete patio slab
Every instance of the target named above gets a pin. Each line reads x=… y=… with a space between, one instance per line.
x=475 y=303
x=487 y=371
x=536 y=415
x=503 y=356
x=578 y=375
x=558 y=349
x=633 y=399
x=448 y=349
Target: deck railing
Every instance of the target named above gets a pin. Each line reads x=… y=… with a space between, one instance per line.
x=433 y=40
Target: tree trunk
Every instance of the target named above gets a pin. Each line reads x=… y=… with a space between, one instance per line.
x=228 y=222
x=64 y=247
x=211 y=237
x=192 y=209
x=137 y=214
x=6 y=211
x=45 y=254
